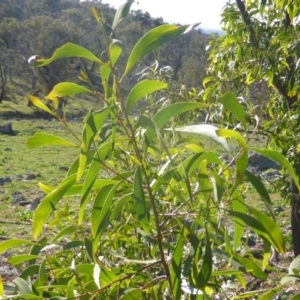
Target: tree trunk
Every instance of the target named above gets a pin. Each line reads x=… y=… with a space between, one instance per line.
x=295 y=211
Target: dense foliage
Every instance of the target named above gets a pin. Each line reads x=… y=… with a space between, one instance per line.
x=261 y=52
x=159 y=214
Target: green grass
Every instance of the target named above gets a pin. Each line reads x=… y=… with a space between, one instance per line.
x=49 y=164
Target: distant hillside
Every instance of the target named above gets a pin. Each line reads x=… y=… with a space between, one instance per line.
x=35 y=27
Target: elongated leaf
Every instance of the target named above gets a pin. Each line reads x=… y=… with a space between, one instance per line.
x=230 y=101
x=89 y=248
x=42 y=276
x=207 y=265
x=47 y=205
x=262 y=225
x=176 y=267
x=164 y=115
x=68 y=50
x=204 y=183
x=239 y=225
x=32 y=270
x=39 y=104
x=140 y=201
x=76 y=189
x=18 y=259
x=92 y=125
x=41 y=139
x=242 y=160
x=102 y=209
x=1 y=288
x=67 y=230
x=105 y=72
x=22 y=286
x=152 y=40
x=267 y=255
x=96 y=275
x=280 y=159
x=192 y=163
x=107 y=276
x=206 y=130
x=271 y=294
x=67 y=89
x=261 y=189
x=4 y=246
x=251 y=267
x=121 y=13
x=133 y=294
x=115 y=50
x=143 y=88
x=91 y=176
x=294 y=267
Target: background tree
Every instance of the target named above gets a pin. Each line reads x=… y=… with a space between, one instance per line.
x=261 y=49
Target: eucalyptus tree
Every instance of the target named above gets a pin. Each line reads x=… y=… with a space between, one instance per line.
x=261 y=50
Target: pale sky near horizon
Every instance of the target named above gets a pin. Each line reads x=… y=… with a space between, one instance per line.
x=180 y=11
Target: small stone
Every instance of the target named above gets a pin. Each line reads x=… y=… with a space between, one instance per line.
x=17 y=197
x=31 y=177
x=24 y=203
x=63 y=168
x=7 y=149
x=4 y=180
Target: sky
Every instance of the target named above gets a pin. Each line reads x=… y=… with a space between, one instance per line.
x=180 y=11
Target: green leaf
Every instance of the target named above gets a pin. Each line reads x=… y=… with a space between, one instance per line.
x=4 y=246
x=280 y=159
x=239 y=226
x=39 y=104
x=143 y=88
x=267 y=255
x=204 y=129
x=133 y=294
x=273 y=293
x=18 y=259
x=294 y=267
x=242 y=160
x=93 y=123
x=105 y=73
x=89 y=248
x=115 y=50
x=102 y=208
x=262 y=225
x=139 y=200
x=22 y=286
x=230 y=101
x=32 y=270
x=66 y=89
x=295 y=297
x=47 y=205
x=1 y=288
x=261 y=189
x=41 y=139
x=204 y=182
x=207 y=265
x=121 y=13
x=152 y=40
x=76 y=189
x=92 y=174
x=68 y=50
x=65 y=231
x=164 y=115
x=42 y=276
x=251 y=267
x=176 y=266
